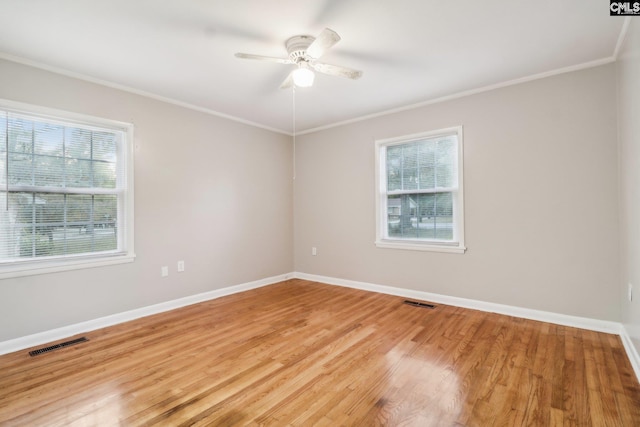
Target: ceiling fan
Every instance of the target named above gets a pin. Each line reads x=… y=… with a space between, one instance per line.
x=304 y=51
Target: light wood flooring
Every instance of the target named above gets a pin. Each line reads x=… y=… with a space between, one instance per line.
x=302 y=353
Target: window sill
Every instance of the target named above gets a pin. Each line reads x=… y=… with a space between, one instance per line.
x=420 y=246
x=43 y=267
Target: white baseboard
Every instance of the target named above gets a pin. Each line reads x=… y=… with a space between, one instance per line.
x=631 y=350
x=102 y=322
x=526 y=313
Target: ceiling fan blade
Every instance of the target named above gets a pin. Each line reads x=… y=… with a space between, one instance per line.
x=335 y=70
x=322 y=43
x=264 y=58
x=288 y=82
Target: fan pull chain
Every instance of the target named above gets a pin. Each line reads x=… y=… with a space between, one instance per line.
x=6 y=165
x=293 y=91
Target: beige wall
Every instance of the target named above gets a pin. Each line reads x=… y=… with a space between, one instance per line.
x=541 y=202
x=629 y=140
x=541 y=198
x=212 y=192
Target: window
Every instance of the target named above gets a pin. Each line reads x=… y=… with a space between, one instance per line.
x=66 y=191
x=419 y=192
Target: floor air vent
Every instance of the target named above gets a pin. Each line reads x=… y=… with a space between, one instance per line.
x=419 y=304
x=57 y=346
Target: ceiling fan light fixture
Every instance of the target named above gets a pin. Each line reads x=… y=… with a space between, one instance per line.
x=303 y=76
x=304 y=52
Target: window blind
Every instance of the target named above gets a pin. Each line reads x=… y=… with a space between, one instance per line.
x=62 y=188
x=421 y=181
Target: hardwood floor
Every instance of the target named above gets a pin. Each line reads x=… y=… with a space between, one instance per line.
x=304 y=353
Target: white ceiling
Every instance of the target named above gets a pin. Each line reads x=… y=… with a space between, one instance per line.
x=411 y=51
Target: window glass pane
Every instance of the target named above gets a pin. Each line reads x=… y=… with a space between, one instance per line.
x=3 y=151
x=49 y=225
x=20 y=135
x=427 y=177
x=426 y=162
x=410 y=155
x=426 y=153
x=79 y=229
x=50 y=221
x=17 y=231
x=78 y=209
x=104 y=146
x=410 y=166
x=78 y=143
x=394 y=166
x=42 y=241
x=445 y=158
x=48 y=139
x=78 y=239
x=27 y=242
x=10 y=231
x=105 y=239
x=48 y=171
x=78 y=173
x=20 y=169
x=443 y=176
x=105 y=210
x=402 y=223
x=426 y=220
x=50 y=209
x=420 y=216
x=21 y=205
x=393 y=216
x=444 y=216
x=3 y=131
x=410 y=178
x=3 y=170
x=104 y=175
x=45 y=224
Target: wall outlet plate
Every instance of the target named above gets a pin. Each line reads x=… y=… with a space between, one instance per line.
x=164 y=271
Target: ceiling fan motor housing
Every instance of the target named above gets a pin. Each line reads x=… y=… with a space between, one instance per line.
x=297 y=47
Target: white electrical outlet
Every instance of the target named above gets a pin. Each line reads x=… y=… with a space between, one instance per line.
x=314 y=251
x=164 y=271
x=180 y=266
x=630 y=292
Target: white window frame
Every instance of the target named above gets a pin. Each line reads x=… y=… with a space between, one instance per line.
x=126 y=254
x=382 y=238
